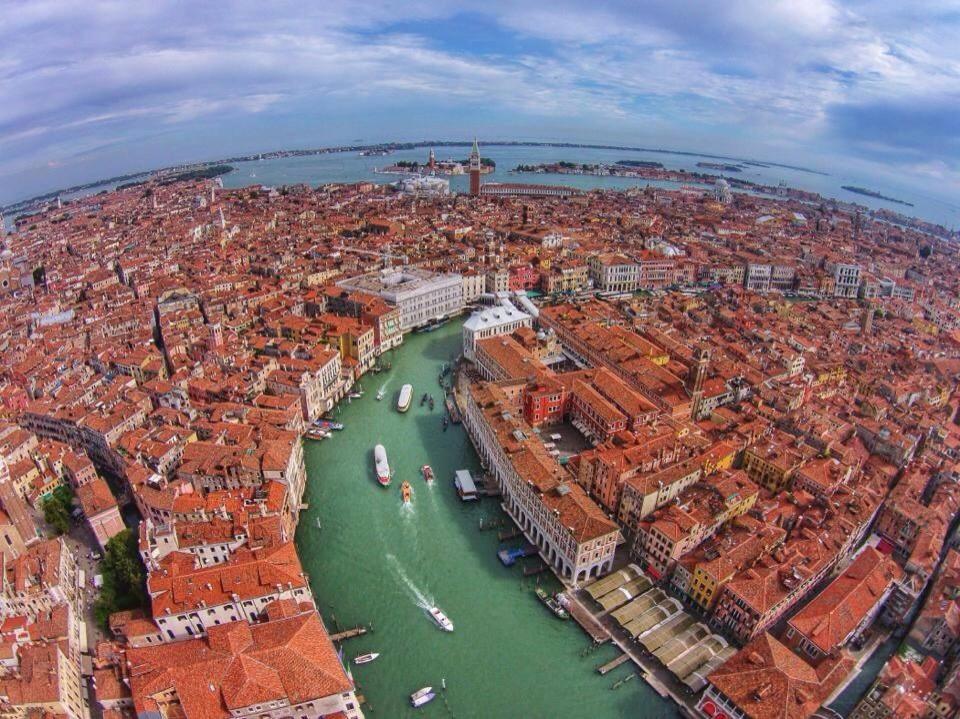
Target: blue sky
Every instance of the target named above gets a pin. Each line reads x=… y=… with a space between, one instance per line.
x=93 y=89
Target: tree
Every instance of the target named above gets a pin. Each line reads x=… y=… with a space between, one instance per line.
x=124 y=580
x=57 y=508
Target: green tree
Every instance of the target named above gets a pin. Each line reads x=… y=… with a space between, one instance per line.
x=57 y=508
x=124 y=579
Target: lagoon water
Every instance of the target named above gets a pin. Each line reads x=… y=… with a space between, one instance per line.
x=352 y=167
x=373 y=560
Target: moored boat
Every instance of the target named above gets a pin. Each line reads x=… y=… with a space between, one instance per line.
x=405 y=492
x=552 y=604
x=441 y=619
x=382 y=466
x=317 y=433
x=427 y=471
x=406 y=395
x=365 y=658
x=422 y=696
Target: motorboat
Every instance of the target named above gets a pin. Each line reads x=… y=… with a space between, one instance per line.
x=422 y=696
x=382 y=466
x=365 y=658
x=551 y=603
x=441 y=619
x=380 y=395
x=406 y=492
x=406 y=395
x=317 y=433
x=427 y=472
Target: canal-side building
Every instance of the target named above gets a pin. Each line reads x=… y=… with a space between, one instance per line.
x=766 y=680
x=421 y=295
x=187 y=600
x=501 y=319
x=283 y=667
x=573 y=534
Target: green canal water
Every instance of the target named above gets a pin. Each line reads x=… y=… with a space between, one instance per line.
x=375 y=561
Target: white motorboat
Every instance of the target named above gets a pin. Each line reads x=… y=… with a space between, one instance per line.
x=383 y=468
x=365 y=658
x=422 y=696
x=406 y=395
x=441 y=619
x=380 y=394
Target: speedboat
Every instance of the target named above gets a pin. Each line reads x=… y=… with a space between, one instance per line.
x=405 y=491
x=382 y=466
x=365 y=658
x=427 y=471
x=422 y=696
x=441 y=619
x=380 y=395
x=403 y=401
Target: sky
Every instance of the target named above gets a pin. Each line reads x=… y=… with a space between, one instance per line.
x=99 y=88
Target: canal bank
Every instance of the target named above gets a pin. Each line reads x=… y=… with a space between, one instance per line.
x=374 y=561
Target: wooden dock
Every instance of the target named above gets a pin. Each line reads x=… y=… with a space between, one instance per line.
x=586 y=620
x=613 y=664
x=537 y=568
x=357 y=631
x=508 y=534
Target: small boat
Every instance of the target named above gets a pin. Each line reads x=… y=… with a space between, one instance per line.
x=382 y=466
x=427 y=471
x=405 y=492
x=422 y=696
x=552 y=604
x=431 y=403
x=423 y=400
x=441 y=619
x=403 y=401
x=380 y=395
x=446 y=423
x=365 y=658
x=356 y=395
x=318 y=523
x=317 y=433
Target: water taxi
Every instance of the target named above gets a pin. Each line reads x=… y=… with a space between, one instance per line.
x=383 y=468
x=403 y=401
x=365 y=658
x=422 y=696
x=405 y=492
x=427 y=471
x=441 y=619
x=551 y=603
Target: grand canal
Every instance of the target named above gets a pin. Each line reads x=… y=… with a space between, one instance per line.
x=373 y=560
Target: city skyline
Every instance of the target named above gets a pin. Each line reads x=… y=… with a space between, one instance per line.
x=108 y=89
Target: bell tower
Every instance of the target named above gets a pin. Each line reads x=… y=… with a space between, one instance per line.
x=475 y=169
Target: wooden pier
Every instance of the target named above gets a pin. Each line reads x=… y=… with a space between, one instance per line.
x=357 y=631
x=508 y=534
x=613 y=664
x=586 y=620
x=538 y=568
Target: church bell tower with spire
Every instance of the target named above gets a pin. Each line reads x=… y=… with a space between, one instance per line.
x=475 y=169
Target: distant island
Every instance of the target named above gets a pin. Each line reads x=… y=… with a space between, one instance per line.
x=200 y=173
x=640 y=163
x=872 y=193
x=720 y=166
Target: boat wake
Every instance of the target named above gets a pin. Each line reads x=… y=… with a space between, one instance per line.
x=419 y=597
